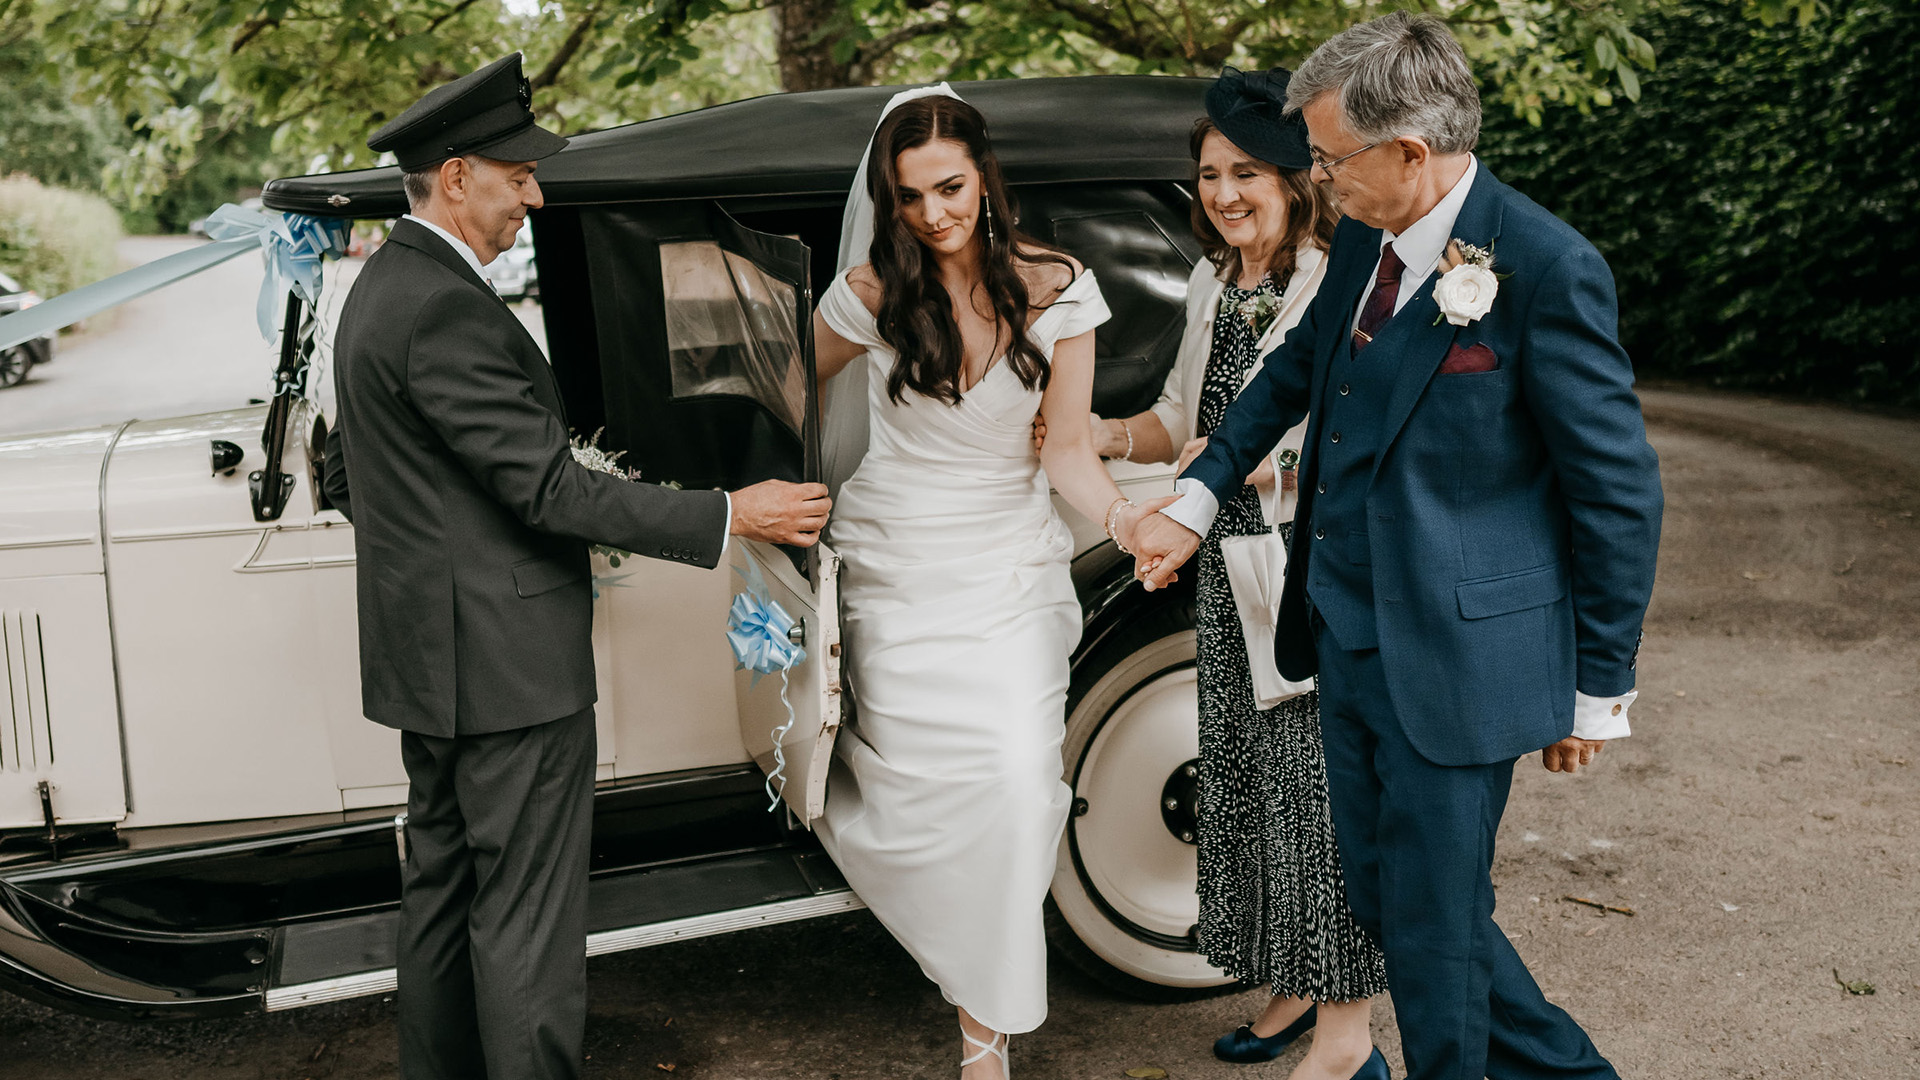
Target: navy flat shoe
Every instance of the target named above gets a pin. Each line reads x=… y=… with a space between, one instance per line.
x=1374 y=1069
x=1243 y=1046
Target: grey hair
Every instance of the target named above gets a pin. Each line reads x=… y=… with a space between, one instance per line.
x=420 y=183
x=1400 y=74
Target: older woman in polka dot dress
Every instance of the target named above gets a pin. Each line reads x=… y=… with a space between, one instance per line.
x=1273 y=907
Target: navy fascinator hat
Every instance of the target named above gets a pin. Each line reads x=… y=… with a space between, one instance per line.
x=1250 y=109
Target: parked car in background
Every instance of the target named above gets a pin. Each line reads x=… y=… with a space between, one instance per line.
x=221 y=830
x=512 y=273
x=16 y=362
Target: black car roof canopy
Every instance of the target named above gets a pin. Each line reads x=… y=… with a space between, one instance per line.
x=1102 y=127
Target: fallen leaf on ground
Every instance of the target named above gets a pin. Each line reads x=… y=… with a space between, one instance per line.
x=1858 y=987
x=1148 y=1073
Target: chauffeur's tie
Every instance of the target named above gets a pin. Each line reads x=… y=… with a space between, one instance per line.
x=1386 y=290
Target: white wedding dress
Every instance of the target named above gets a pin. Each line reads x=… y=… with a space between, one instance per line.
x=945 y=804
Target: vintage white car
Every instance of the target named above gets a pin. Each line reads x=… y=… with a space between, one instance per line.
x=196 y=820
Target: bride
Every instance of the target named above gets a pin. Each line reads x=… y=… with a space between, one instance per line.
x=945 y=804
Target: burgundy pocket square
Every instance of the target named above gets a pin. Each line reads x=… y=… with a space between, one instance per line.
x=1471 y=359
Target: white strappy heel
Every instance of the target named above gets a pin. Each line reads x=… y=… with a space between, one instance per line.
x=997 y=1048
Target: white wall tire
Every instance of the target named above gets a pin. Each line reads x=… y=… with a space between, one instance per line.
x=1123 y=906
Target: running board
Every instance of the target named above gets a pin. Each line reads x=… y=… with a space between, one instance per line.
x=279 y=999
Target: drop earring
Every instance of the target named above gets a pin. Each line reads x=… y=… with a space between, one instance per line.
x=989 y=205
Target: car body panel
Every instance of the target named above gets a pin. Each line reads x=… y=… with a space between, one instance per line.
x=59 y=719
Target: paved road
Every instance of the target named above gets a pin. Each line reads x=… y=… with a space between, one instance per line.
x=1763 y=822
x=189 y=348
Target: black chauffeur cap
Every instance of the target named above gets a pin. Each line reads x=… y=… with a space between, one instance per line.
x=487 y=112
x=1250 y=109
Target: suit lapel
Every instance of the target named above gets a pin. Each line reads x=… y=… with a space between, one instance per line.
x=422 y=239
x=1421 y=337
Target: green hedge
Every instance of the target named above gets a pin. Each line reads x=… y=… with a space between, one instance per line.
x=53 y=240
x=1760 y=205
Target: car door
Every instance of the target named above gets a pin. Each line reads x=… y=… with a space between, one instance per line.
x=703 y=358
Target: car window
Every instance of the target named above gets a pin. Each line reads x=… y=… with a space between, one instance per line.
x=1143 y=276
x=730 y=330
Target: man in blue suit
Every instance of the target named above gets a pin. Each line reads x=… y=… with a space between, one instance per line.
x=1474 y=546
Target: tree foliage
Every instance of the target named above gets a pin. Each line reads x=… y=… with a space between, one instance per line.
x=322 y=73
x=1761 y=206
x=43 y=133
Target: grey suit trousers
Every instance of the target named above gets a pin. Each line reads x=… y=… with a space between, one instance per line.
x=493 y=912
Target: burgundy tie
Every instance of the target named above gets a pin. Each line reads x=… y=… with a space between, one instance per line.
x=1386 y=289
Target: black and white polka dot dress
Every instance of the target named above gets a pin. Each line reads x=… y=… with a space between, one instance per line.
x=1273 y=908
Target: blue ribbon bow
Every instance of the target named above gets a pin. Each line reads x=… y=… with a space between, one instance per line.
x=757 y=628
x=293 y=246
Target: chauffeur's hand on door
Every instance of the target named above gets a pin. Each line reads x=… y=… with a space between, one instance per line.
x=780 y=513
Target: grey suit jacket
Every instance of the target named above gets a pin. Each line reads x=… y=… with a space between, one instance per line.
x=471 y=519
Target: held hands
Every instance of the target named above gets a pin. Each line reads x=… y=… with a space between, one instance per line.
x=777 y=512
x=1160 y=545
x=1570 y=753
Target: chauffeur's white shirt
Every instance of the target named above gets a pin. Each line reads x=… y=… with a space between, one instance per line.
x=1420 y=249
x=461 y=249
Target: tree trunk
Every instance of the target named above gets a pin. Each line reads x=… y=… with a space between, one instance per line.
x=806 y=46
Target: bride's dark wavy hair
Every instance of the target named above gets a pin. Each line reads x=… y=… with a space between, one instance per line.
x=916 y=314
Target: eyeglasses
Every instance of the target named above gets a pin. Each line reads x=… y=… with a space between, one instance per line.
x=1326 y=166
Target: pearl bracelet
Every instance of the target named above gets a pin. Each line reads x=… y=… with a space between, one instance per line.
x=1112 y=510
x=1128 y=456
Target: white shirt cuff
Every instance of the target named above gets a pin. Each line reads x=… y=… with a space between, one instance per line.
x=1196 y=508
x=726 y=527
x=1601 y=717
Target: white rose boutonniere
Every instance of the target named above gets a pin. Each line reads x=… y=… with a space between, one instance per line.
x=1466 y=289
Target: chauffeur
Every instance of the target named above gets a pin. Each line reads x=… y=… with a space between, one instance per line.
x=471 y=526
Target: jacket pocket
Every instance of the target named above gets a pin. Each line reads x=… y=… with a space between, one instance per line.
x=536 y=576
x=1508 y=593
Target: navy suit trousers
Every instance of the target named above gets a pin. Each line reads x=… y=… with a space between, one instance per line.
x=1416 y=845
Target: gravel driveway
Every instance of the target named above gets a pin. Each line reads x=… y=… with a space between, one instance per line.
x=1762 y=824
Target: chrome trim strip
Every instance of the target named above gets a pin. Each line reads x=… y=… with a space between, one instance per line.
x=723 y=922
x=56 y=541
x=113 y=633
x=281 y=998
x=254 y=564
x=187 y=534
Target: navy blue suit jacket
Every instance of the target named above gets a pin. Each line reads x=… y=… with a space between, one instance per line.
x=1513 y=514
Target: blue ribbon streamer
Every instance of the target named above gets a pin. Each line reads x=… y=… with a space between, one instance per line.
x=293 y=246
x=757 y=628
